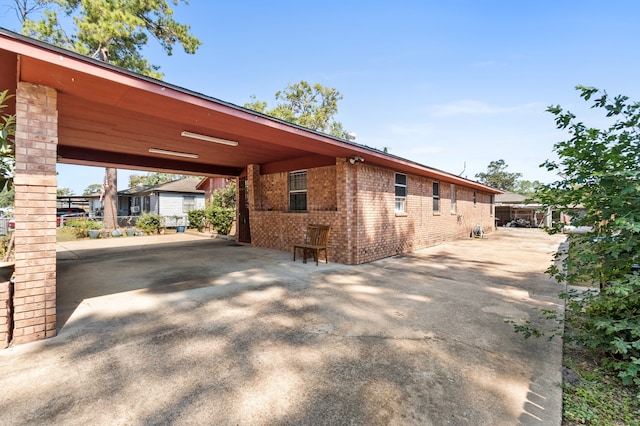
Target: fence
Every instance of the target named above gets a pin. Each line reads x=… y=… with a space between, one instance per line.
x=130 y=221
x=123 y=221
x=4 y=225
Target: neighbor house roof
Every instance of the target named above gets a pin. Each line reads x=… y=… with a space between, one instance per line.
x=111 y=117
x=510 y=198
x=185 y=186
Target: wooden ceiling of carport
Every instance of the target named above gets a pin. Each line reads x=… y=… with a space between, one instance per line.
x=111 y=117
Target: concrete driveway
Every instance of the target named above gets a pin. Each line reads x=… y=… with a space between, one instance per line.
x=188 y=330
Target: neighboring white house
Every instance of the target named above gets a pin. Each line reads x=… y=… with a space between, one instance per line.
x=171 y=200
x=175 y=198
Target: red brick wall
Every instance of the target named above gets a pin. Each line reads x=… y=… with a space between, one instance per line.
x=273 y=226
x=321 y=190
x=35 y=207
x=383 y=233
x=358 y=201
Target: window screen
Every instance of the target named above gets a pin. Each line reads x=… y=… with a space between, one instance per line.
x=436 y=196
x=298 y=191
x=453 y=198
x=401 y=193
x=188 y=203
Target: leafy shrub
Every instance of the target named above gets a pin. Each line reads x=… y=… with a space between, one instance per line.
x=225 y=197
x=150 y=223
x=81 y=226
x=600 y=174
x=4 y=245
x=607 y=323
x=220 y=218
x=197 y=219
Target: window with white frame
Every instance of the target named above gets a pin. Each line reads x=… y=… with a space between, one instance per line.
x=436 y=197
x=401 y=193
x=188 y=203
x=453 y=198
x=298 y=191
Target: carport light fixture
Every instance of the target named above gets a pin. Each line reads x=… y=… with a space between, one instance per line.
x=173 y=153
x=209 y=138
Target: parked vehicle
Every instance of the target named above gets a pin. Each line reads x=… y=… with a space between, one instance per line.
x=64 y=213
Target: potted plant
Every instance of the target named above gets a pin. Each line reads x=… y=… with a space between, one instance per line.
x=130 y=229
x=84 y=227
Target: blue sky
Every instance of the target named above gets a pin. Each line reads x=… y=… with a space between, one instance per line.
x=450 y=84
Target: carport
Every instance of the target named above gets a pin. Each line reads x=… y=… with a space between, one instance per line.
x=76 y=110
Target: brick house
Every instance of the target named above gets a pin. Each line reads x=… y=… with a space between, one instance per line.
x=374 y=211
x=75 y=110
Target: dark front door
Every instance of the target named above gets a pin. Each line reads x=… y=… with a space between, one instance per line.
x=244 y=230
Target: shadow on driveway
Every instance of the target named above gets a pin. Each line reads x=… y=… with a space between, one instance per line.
x=208 y=333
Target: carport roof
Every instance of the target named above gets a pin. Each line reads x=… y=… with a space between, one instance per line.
x=111 y=117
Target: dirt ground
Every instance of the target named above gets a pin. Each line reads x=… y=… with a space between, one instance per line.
x=206 y=331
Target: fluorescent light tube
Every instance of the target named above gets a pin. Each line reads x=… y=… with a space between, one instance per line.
x=209 y=138
x=174 y=153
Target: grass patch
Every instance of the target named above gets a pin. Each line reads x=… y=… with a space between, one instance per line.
x=65 y=233
x=599 y=398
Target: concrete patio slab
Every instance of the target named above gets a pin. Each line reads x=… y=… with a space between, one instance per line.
x=187 y=330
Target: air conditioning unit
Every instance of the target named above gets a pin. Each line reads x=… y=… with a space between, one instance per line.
x=135 y=209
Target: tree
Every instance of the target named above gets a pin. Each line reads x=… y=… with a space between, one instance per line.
x=64 y=192
x=7 y=197
x=527 y=187
x=599 y=172
x=153 y=179
x=313 y=107
x=94 y=188
x=7 y=133
x=110 y=30
x=225 y=197
x=497 y=176
x=110 y=197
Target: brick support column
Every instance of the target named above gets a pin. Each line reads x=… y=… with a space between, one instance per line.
x=35 y=206
x=346 y=188
x=253 y=191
